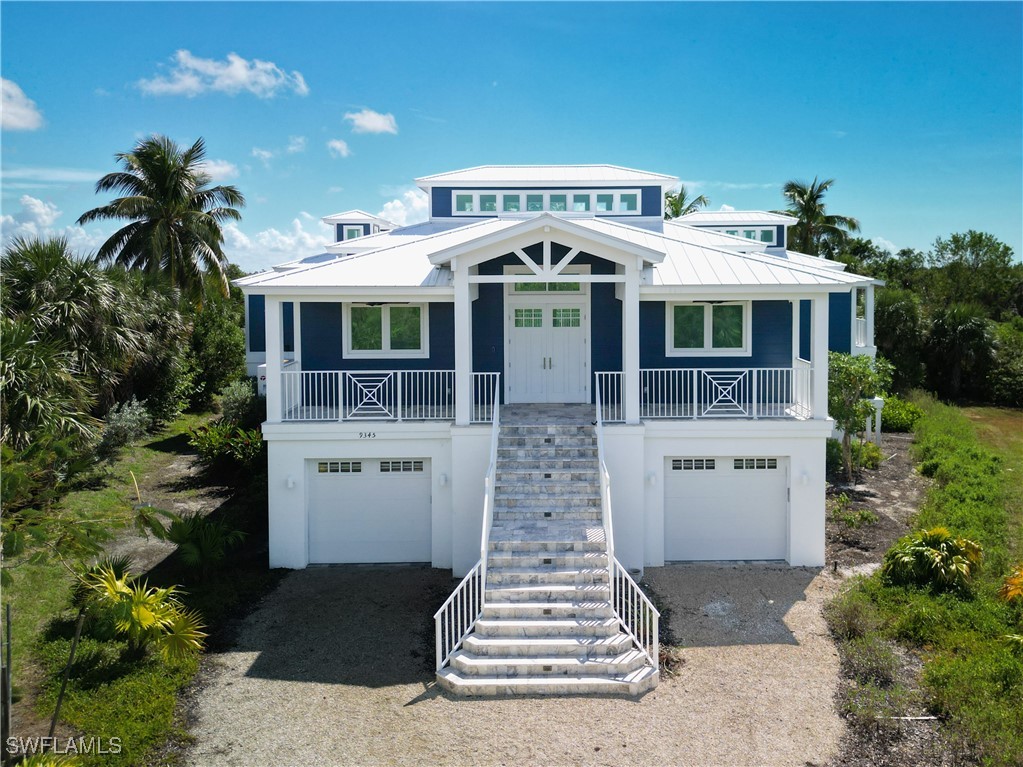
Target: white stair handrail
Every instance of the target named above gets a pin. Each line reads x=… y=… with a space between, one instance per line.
x=635 y=612
x=489 y=485
x=456 y=617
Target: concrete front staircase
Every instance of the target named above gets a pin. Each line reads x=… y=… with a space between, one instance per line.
x=547 y=626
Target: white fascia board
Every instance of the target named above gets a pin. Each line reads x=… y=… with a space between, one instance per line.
x=738 y=292
x=542 y=222
x=356 y=217
x=644 y=178
x=718 y=428
x=354 y=293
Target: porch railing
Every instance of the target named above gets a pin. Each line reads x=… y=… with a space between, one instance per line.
x=635 y=612
x=610 y=396
x=456 y=617
x=382 y=395
x=725 y=392
x=860 y=331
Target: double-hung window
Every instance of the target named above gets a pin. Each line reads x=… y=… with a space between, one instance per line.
x=712 y=328
x=386 y=330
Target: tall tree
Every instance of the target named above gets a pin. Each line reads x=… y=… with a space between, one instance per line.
x=175 y=215
x=817 y=232
x=678 y=203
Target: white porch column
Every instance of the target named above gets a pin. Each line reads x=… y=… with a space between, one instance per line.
x=630 y=344
x=869 y=340
x=274 y=345
x=795 y=330
x=819 y=355
x=463 y=345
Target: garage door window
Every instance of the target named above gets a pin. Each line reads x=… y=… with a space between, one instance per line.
x=692 y=464
x=394 y=467
x=339 y=467
x=754 y=464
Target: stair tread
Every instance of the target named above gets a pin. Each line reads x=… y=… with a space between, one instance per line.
x=547 y=660
x=582 y=680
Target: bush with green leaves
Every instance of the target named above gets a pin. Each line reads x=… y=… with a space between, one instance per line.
x=240 y=404
x=217 y=355
x=933 y=558
x=852 y=382
x=865 y=455
x=125 y=423
x=203 y=543
x=899 y=415
x=851 y=615
x=222 y=444
x=1005 y=382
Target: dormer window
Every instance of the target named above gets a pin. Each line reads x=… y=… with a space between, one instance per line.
x=559 y=203
x=488 y=203
x=463 y=203
x=511 y=203
x=580 y=203
x=351 y=232
x=605 y=203
x=623 y=203
x=629 y=203
x=534 y=203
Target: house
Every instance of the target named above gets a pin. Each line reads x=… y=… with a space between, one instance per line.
x=547 y=367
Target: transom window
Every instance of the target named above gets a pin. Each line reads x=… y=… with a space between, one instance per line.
x=762 y=234
x=395 y=467
x=547 y=287
x=692 y=464
x=748 y=464
x=623 y=203
x=387 y=330
x=721 y=329
x=339 y=467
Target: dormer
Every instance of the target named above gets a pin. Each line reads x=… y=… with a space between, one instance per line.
x=353 y=224
x=768 y=229
x=567 y=191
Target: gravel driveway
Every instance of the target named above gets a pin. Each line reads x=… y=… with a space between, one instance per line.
x=333 y=668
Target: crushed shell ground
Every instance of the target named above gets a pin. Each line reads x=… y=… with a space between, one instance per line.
x=334 y=668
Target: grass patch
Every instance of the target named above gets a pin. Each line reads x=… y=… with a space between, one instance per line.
x=971 y=676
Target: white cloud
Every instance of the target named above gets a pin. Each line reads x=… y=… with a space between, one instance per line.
x=17 y=111
x=338 y=148
x=296 y=144
x=40 y=177
x=727 y=207
x=305 y=236
x=411 y=208
x=221 y=170
x=335 y=189
x=884 y=244
x=263 y=155
x=368 y=121
x=743 y=185
x=192 y=75
x=35 y=218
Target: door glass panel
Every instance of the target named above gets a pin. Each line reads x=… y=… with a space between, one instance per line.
x=529 y=318
x=688 y=327
x=727 y=327
x=566 y=318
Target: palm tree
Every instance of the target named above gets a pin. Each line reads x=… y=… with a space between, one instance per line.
x=678 y=203
x=175 y=215
x=817 y=233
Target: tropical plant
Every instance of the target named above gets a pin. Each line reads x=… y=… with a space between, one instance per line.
x=977 y=268
x=678 y=202
x=933 y=558
x=221 y=444
x=124 y=424
x=899 y=331
x=817 y=232
x=217 y=352
x=202 y=542
x=852 y=380
x=960 y=348
x=1011 y=589
x=145 y=616
x=175 y=215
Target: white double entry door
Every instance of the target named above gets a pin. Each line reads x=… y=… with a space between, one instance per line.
x=548 y=348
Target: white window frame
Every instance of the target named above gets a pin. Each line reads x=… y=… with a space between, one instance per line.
x=707 y=350
x=385 y=333
x=758 y=232
x=617 y=208
x=349 y=228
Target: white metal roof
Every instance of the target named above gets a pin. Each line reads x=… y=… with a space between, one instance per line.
x=397 y=236
x=690 y=259
x=726 y=217
x=357 y=217
x=544 y=175
x=712 y=238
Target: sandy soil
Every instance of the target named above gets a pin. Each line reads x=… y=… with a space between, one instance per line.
x=335 y=668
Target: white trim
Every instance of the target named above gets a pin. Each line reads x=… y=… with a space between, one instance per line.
x=385 y=333
x=569 y=194
x=349 y=228
x=670 y=350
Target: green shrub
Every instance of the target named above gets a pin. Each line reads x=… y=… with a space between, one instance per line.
x=125 y=423
x=202 y=542
x=833 y=456
x=899 y=415
x=217 y=354
x=866 y=455
x=870 y=659
x=221 y=444
x=851 y=616
x=237 y=401
x=933 y=558
x=1006 y=379
x=869 y=704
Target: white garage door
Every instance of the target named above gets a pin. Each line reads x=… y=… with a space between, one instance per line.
x=373 y=510
x=725 y=508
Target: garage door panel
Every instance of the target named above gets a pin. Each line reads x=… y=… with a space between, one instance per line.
x=726 y=513
x=370 y=516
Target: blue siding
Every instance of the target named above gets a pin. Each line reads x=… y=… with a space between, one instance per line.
x=653 y=201
x=322 y=341
x=772 y=339
x=339 y=230
x=804 y=329
x=779 y=237
x=257 y=324
x=840 y=322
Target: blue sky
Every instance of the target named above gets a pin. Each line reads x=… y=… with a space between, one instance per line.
x=915 y=109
